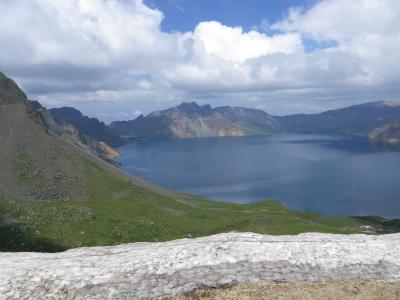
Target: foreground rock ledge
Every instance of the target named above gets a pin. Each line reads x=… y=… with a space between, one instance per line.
x=150 y=270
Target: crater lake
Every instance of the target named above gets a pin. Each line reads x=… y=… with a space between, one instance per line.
x=330 y=174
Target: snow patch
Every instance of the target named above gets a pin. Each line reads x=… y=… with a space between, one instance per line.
x=150 y=270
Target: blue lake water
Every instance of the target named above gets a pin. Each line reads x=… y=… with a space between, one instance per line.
x=335 y=175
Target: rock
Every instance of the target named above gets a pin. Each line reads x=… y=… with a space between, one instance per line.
x=7 y=219
x=389 y=134
x=150 y=270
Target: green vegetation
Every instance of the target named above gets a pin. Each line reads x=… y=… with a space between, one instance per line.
x=121 y=212
x=253 y=130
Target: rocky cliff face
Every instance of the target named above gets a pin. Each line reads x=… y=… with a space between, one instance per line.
x=387 y=134
x=190 y=120
x=72 y=135
x=150 y=270
x=90 y=127
x=252 y=121
x=10 y=93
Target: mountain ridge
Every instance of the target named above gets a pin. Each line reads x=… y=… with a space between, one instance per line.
x=70 y=133
x=190 y=120
x=90 y=127
x=358 y=120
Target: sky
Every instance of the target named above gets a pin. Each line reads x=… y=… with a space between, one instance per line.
x=117 y=59
x=184 y=15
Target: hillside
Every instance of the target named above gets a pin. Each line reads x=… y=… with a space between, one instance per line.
x=33 y=164
x=71 y=134
x=252 y=121
x=354 y=120
x=54 y=196
x=90 y=127
x=190 y=120
x=387 y=134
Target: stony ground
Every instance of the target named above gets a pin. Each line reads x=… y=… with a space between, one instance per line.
x=34 y=166
x=266 y=290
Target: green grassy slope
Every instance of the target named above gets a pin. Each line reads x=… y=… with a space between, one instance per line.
x=119 y=211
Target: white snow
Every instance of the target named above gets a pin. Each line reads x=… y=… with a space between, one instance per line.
x=149 y=270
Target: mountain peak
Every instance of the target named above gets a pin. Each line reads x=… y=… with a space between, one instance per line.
x=65 y=113
x=380 y=104
x=193 y=107
x=9 y=91
x=188 y=104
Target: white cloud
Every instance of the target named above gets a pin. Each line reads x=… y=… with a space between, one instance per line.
x=233 y=44
x=343 y=20
x=77 y=51
x=368 y=29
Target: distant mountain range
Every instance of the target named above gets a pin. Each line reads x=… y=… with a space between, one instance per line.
x=353 y=120
x=190 y=120
x=187 y=120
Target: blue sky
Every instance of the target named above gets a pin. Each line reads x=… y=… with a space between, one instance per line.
x=184 y=15
x=117 y=59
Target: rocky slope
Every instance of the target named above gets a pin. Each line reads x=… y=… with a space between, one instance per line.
x=150 y=270
x=190 y=120
x=387 y=134
x=90 y=127
x=252 y=121
x=72 y=135
x=33 y=164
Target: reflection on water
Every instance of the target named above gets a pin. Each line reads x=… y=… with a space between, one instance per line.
x=336 y=175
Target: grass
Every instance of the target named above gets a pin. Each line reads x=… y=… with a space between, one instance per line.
x=118 y=211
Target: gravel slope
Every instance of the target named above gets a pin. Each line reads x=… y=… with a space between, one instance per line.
x=34 y=166
x=150 y=270
x=262 y=290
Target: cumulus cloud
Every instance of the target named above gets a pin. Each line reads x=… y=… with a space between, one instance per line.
x=367 y=29
x=91 y=51
x=82 y=32
x=233 y=44
x=342 y=20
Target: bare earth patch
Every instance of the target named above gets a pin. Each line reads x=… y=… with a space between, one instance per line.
x=267 y=290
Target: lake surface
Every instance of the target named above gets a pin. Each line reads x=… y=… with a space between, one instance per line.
x=335 y=175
